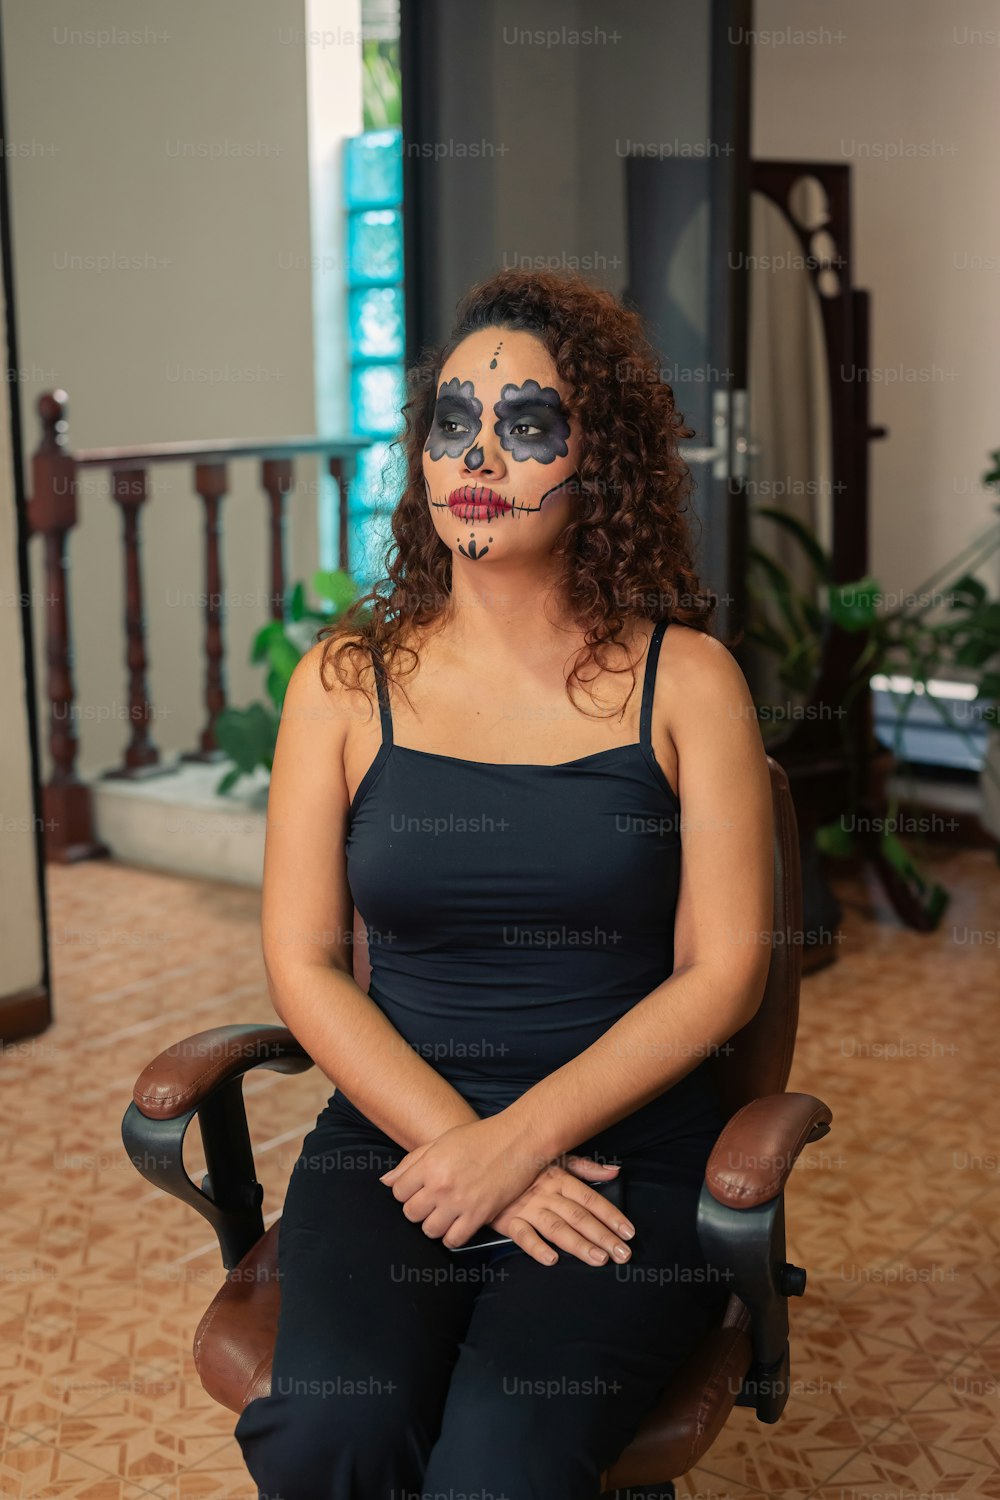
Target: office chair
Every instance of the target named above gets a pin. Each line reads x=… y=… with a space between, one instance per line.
x=744 y=1361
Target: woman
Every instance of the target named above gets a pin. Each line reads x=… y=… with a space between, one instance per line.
x=555 y=952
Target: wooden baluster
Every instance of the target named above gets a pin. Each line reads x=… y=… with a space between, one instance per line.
x=211 y=484
x=339 y=467
x=142 y=758
x=66 y=800
x=277 y=478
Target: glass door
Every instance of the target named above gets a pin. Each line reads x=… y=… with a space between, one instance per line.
x=611 y=140
x=687 y=209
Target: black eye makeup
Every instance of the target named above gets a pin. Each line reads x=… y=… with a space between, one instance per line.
x=457 y=420
x=532 y=422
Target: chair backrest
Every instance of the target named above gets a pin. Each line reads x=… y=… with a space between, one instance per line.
x=758 y=1058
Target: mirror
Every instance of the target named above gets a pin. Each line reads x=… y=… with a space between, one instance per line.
x=790 y=467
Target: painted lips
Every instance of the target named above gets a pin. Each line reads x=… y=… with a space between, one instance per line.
x=474 y=502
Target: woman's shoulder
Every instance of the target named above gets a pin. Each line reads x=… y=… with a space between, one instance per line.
x=692 y=650
x=327 y=683
x=699 y=678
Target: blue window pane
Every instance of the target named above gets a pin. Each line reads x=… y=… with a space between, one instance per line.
x=374 y=169
x=380 y=478
x=370 y=535
x=376 y=322
x=375 y=245
x=377 y=396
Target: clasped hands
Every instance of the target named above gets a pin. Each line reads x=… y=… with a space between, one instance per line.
x=483 y=1173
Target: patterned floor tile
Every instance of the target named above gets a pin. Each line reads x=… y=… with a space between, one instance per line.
x=895 y=1346
x=898 y=1465
x=35 y=1471
x=794 y=1455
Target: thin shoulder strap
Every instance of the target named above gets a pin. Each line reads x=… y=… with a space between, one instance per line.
x=385 y=713
x=649 y=682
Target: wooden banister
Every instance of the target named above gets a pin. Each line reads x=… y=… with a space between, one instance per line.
x=52 y=514
x=211 y=482
x=220 y=449
x=69 y=830
x=277 y=477
x=142 y=758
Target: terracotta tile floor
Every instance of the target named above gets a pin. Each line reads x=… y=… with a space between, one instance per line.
x=896 y=1345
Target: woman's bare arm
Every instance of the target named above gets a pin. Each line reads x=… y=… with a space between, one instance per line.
x=308 y=919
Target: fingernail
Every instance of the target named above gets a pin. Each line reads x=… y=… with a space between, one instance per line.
x=626 y=1231
x=598 y=1256
x=622 y=1253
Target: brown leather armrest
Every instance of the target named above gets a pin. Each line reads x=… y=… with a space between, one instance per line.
x=751 y=1160
x=186 y=1073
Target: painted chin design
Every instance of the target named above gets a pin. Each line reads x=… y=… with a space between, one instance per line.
x=476 y=502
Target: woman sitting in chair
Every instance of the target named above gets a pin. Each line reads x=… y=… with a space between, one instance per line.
x=489 y=760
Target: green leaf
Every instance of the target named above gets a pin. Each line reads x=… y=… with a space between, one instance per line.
x=297 y=602
x=835 y=840
x=975 y=652
x=337 y=586
x=277 y=686
x=933 y=900
x=283 y=655
x=228 y=781
x=248 y=736
x=782 y=591
x=854 y=606
x=262 y=640
x=968 y=590
x=900 y=858
x=807 y=539
x=233 y=735
x=262 y=726
x=937 y=903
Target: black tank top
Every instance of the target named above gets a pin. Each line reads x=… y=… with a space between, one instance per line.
x=515 y=912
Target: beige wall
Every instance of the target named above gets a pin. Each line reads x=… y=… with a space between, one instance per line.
x=20 y=916
x=179 y=149
x=905 y=76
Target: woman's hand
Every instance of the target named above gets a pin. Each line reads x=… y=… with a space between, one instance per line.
x=569 y=1214
x=482 y=1173
x=462 y=1179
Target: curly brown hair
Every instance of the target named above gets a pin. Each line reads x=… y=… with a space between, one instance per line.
x=626 y=553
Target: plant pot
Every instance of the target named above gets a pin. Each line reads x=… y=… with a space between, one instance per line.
x=989 y=786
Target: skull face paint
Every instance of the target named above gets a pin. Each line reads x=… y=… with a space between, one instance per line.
x=475 y=550
x=531 y=422
x=518 y=467
x=458 y=420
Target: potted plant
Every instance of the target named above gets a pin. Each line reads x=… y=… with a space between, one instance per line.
x=248 y=735
x=951 y=625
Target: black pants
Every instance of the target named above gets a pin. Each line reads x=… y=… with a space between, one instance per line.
x=405 y=1370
